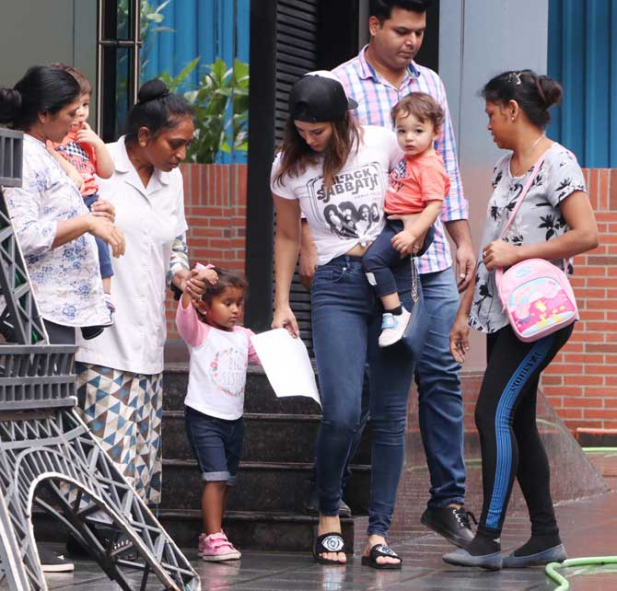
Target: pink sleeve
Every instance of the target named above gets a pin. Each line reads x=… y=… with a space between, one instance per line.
x=253 y=357
x=191 y=329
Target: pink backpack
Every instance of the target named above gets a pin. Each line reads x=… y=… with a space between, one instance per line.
x=536 y=295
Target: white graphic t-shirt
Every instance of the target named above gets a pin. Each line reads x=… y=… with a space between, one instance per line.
x=219 y=361
x=351 y=211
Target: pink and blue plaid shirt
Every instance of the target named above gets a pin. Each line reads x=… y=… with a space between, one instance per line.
x=376 y=98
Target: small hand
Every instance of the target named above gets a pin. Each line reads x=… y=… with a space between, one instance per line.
x=285 y=318
x=407 y=243
x=207 y=273
x=499 y=254
x=194 y=284
x=87 y=136
x=466 y=263
x=105 y=209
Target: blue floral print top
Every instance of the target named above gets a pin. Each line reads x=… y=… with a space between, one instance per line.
x=66 y=279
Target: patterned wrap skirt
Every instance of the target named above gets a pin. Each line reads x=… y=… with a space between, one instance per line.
x=123 y=410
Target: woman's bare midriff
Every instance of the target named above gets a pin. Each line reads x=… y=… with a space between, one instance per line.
x=358 y=250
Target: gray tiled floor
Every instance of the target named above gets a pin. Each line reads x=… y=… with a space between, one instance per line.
x=588 y=529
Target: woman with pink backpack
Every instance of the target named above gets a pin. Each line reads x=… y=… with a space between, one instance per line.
x=538 y=217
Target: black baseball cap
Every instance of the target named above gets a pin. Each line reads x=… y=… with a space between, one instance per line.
x=319 y=96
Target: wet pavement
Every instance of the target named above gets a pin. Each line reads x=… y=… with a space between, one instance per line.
x=588 y=529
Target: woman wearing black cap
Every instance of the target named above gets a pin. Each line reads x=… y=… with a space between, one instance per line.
x=327 y=158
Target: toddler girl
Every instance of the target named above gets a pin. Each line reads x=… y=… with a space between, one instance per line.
x=418 y=186
x=220 y=351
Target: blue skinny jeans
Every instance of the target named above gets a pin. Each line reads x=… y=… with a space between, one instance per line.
x=346 y=325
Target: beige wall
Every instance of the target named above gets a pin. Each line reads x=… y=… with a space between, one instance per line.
x=39 y=32
x=479 y=39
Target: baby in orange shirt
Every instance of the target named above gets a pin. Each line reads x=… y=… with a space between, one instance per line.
x=418 y=186
x=82 y=154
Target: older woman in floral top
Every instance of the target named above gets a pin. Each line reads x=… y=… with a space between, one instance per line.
x=54 y=228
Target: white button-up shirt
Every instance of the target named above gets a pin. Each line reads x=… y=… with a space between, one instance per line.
x=151 y=218
x=66 y=280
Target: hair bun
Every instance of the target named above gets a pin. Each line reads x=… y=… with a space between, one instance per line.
x=10 y=104
x=551 y=90
x=152 y=90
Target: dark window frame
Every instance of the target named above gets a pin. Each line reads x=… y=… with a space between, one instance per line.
x=107 y=46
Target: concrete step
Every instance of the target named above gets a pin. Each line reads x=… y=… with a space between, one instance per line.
x=261 y=487
x=267 y=438
x=259 y=398
x=267 y=531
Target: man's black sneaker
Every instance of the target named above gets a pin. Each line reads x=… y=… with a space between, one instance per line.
x=451 y=523
x=311 y=504
x=52 y=562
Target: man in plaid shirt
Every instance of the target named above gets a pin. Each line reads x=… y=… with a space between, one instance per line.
x=382 y=74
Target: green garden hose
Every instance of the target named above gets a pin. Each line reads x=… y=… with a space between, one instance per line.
x=590 y=562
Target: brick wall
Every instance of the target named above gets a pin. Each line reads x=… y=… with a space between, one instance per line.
x=581 y=383
x=215 y=205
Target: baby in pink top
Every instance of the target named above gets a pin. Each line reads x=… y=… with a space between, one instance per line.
x=220 y=353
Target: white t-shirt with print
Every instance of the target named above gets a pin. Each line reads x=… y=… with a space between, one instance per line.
x=351 y=211
x=217 y=376
x=219 y=360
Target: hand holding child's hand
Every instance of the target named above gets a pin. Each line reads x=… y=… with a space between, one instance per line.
x=193 y=285
x=104 y=209
x=207 y=273
x=87 y=136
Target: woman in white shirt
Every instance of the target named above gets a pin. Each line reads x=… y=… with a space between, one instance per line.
x=54 y=228
x=120 y=373
x=327 y=162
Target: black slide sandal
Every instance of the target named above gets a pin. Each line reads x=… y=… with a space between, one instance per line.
x=382 y=550
x=330 y=542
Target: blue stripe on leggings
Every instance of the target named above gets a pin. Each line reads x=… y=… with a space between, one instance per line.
x=530 y=363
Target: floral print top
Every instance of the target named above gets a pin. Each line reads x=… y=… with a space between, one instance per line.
x=66 y=280
x=539 y=218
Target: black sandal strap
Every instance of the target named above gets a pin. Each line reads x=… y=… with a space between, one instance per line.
x=330 y=542
x=383 y=550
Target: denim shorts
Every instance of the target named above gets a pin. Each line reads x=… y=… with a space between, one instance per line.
x=216 y=445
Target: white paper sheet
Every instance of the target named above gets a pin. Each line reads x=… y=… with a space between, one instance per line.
x=286 y=363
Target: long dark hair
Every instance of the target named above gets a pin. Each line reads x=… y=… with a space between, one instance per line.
x=296 y=154
x=42 y=89
x=157 y=109
x=534 y=94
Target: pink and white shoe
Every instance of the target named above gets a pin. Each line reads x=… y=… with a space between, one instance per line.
x=216 y=548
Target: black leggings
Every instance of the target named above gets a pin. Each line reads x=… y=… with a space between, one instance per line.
x=506 y=420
